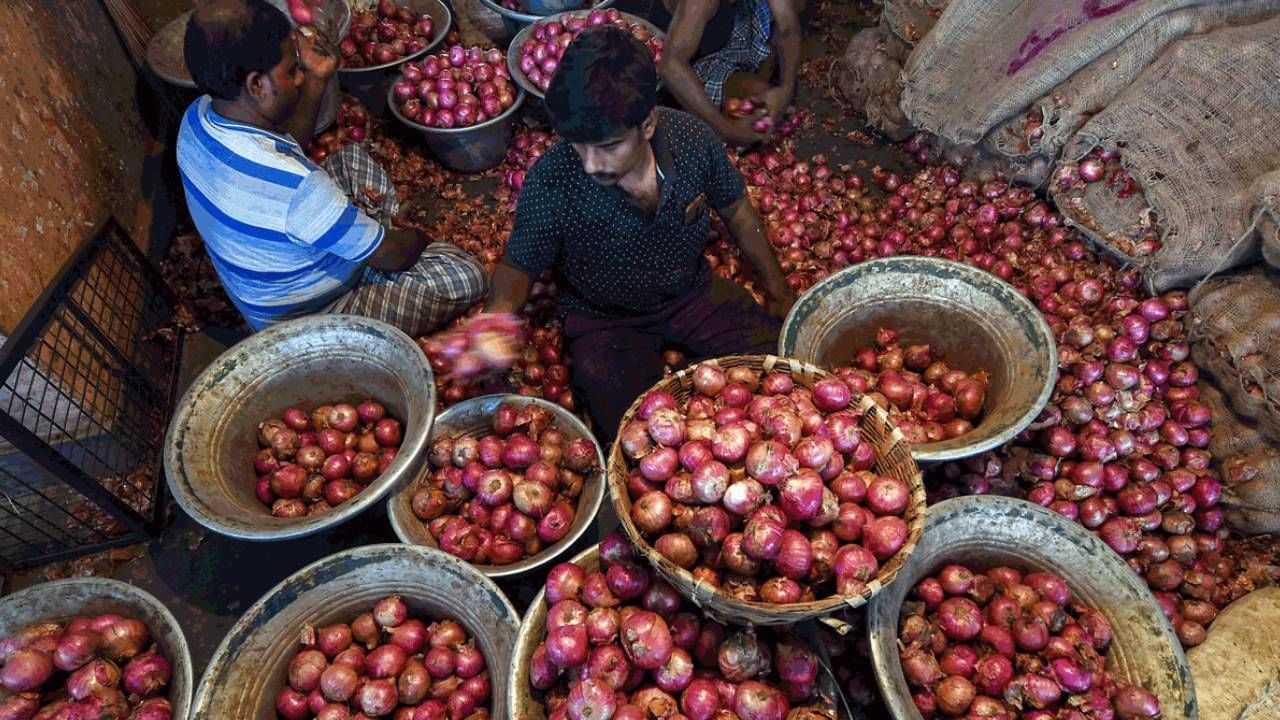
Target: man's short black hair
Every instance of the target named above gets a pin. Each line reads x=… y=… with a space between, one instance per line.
x=228 y=39
x=607 y=83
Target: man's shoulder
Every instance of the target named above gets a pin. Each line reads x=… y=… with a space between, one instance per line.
x=684 y=126
x=250 y=150
x=558 y=168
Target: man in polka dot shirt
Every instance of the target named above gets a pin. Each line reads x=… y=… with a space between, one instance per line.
x=620 y=211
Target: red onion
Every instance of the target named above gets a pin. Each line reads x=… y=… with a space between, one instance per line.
x=960 y=619
x=646 y=640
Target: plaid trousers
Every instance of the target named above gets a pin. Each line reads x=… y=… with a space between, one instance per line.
x=445 y=281
x=748 y=46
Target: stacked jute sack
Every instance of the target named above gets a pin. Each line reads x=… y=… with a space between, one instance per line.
x=1184 y=89
x=1234 y=328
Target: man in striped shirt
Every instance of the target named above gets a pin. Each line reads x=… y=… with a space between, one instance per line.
x=289 y=238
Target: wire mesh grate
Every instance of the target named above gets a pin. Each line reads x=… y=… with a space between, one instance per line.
x=87 y=385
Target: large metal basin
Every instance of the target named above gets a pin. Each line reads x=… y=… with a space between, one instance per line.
x=64 y=599
x=466 y=149
x=526 y=32
x=370 y=84
x=988 y=531
x=251 y=664
x=474 y=418
x=514 y=20
x=307 y=362
x=972 y=319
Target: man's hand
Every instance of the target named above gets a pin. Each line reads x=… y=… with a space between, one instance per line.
x=739 y=132
x=775 y=101
x=316 y=55
x=780 y=302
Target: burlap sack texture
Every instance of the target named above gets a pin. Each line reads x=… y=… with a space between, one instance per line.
x=1063 y=110
x=1234 y=329
x=911 y=20
x=988 y=60
x=867 y=78
x=1199 y=130
x=1249 y=466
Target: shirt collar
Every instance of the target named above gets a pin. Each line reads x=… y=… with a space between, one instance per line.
x=284 y=143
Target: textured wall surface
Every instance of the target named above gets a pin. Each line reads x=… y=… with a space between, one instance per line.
x=71 y=137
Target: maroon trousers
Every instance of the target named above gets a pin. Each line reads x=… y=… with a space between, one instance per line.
x=616 y=360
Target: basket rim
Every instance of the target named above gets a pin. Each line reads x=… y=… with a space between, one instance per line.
x=588 y=504
x=755 y=611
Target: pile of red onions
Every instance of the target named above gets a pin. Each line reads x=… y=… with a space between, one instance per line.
x=738 y=108
x=622 y=644
x=930 y=401
x=385 y=35
x=542 y=369
x=526 y=147
x=499 y=498
x=458 y=87
x=385 y=663
x=353 y=127
x=540 y=54
x=102 y=667
x=762 y=487
x=1008 y=644
x=1104 y=166
x=312 y=463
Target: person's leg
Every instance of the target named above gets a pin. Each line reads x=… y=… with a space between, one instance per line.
x=363 y=180
x=444 y=283
x=721 y=320
x=612 y=365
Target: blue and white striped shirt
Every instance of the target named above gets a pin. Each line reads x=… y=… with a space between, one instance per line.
x=284 y=239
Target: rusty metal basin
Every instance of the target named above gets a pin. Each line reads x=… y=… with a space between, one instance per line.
x=322 y=359
x=987 y=531
x=473 y=418
x=251 y=664
x=972 y=319
x=64 y=599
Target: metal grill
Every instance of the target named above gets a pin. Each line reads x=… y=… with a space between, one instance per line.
x=87 y=384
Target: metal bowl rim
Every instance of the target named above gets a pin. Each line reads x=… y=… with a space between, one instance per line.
x=246 y=618
x=307 y=525
x=123 y=590
x=923 y=453
x=526 y=18
x=448 y=25
x=547 y=555
x=1077 y=533
x=513 y=50
x=395 y=110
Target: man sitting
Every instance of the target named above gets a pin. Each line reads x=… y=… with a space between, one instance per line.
x=287 y=237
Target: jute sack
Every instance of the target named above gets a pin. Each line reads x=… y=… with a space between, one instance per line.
x=868 y=79
x=1234 y=330
x=1199 y=132
x=988 y=60
x=1050 y=121
x=1249 y=466
x=911 y=20
x=1236 y=670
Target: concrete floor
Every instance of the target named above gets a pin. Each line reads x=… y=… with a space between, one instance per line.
x=208 y=580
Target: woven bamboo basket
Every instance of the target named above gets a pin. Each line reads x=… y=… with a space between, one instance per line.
x=893 y=459
x=525 y=703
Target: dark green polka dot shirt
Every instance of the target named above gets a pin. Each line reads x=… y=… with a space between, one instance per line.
x=610 y=257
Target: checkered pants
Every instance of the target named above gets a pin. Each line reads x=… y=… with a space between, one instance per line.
x=445 y=281
x=748 y=46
